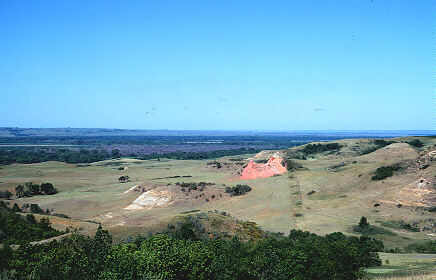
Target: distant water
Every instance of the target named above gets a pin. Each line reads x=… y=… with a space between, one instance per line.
x=23 y=132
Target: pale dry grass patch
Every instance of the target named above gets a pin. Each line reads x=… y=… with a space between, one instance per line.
x=431 y=276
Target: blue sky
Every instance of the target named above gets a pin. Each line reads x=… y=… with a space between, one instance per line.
x=218 y=65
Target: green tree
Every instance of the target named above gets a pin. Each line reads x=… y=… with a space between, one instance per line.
x=31 y=219
x=5 y=194
x=48 y=189
x=19 y=191
x=34 y=189
x=123 y=179
x=363 y=222
x=115 y=153
x=44 y=224
x=16 y=208
x=35 y=209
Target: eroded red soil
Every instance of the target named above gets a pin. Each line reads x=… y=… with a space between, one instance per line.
x=274 y=166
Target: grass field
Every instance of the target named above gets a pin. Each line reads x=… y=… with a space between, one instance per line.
x=405 y=266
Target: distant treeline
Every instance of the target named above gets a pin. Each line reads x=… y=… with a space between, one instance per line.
x=202 y=155
x=54 y=154
x=93 y=141
x=87 y=156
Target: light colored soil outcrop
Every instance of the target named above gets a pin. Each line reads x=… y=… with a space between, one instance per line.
x=150 y=199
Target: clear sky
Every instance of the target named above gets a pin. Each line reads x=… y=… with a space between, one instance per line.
x=218 y=65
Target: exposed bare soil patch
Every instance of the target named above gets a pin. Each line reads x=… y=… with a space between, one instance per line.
x=153 y=195
x=274 y=166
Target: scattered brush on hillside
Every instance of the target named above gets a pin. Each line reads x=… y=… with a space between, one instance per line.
x=378 y=144
x=365 y=228
x=319 y=148
x=428 y=247
x=396 y=224
x=292 y=165
x=310 y=149
x=195 y=225
x=416 y=143
x=386 y=171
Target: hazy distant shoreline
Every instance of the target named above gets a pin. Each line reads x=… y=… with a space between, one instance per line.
x=83 y=132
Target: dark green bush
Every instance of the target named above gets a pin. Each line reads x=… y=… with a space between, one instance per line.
x=416 y=143
x=385 y=172
x=379 y=143
x=238 y=189
x=319 y=148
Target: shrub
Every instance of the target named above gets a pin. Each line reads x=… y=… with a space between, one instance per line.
x=363 y=222
x=238 y=189
x=416 y=143
x=385 y=172
x=61 y=215
x=35 y=209
x=318 y=148
x=379 y=144
x=124 y=179
x=292 y=165
x=6 y=194
x=48 y=189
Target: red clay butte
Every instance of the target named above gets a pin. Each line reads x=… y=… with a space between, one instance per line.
x=274 y=166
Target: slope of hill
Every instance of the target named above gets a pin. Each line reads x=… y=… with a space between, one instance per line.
x=331 y=193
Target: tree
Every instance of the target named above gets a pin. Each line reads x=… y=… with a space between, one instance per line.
x=6 y=194
x=34 y=208
x=115 y=153
x=44 y=224
x=48 y=189
x=19 y=191
x=363 y=222
x=16 y=208
x=34 y=189
x=31 y=219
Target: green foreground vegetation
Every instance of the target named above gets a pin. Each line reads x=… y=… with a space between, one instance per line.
x=182 y=251
x=179 y=253
x=17 y=229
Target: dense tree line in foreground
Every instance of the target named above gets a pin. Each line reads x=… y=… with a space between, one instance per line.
x=17 y=229
x=181 y=255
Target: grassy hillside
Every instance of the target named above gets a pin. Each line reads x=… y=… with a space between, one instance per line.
x=330 y=193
